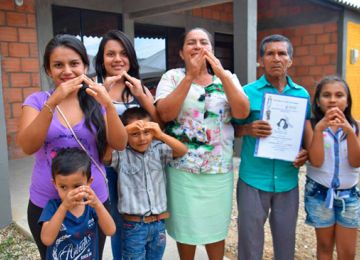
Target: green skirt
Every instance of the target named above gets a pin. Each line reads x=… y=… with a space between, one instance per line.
x=199 y=205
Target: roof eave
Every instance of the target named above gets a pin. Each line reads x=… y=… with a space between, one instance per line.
x=350 y=4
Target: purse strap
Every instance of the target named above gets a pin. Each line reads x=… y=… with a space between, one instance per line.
x=81 y=145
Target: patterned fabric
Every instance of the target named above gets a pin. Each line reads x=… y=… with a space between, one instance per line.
x=142 y=179
x=77 y=238
x=203 y=124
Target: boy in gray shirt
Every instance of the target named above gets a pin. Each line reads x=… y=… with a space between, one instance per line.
x=142 y=184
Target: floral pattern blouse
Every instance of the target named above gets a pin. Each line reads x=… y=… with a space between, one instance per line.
x=203 y=124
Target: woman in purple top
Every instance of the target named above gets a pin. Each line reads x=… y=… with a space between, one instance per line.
x=43 y=130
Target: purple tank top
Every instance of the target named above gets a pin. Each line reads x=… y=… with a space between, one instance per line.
x=59 y=136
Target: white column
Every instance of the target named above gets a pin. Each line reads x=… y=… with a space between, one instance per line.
x=128 y=26
x=5 y=205
x=245 y=35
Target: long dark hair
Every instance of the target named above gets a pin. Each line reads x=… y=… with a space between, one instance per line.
x=120 y=37
x=318 y=114
x=89 y=106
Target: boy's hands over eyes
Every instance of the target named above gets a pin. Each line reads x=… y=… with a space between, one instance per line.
x=145 y=126
x=135 y=126
x=74 y=198
x=91 y=199
x=154 y=128
x=82 y=195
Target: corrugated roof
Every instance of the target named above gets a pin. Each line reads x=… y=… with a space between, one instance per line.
x=349 y=3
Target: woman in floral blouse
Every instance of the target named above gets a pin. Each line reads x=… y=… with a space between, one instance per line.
x=198 y=102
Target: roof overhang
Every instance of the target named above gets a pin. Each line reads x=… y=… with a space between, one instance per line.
x=145 y=8
x=352 y=4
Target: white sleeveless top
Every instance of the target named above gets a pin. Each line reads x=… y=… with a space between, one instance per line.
x=348 y=176
x=122 y=106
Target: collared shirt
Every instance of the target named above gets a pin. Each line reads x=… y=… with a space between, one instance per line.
x=269 y=175
x=336 y=159
x=203 y=124
x=142 y=179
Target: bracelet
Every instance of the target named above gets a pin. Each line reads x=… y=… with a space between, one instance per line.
x=49 y=107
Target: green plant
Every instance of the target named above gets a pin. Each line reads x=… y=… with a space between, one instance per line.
x=5 y=249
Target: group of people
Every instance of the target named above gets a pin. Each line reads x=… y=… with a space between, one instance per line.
x=104 y=166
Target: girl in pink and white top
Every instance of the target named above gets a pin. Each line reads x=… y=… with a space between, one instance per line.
x=332 y=199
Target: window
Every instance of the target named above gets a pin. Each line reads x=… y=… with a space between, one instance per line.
x=224 y=50
x=87 y=25
x=151 y=56
x=162 y=42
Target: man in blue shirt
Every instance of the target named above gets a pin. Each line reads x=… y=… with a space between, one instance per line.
x=268 y=187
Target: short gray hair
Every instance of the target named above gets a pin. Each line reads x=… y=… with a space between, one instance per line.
x=276 y=38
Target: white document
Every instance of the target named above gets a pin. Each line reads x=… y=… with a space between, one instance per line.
x=286 y=115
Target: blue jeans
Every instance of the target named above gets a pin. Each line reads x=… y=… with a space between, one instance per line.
x=143 y=240
x=345 y=211
x=116 y=247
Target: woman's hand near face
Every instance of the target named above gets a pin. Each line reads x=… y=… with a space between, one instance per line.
x=145 y=98
x=115 y=130
x=215 y=64
x=238 y=102
x=34 y=124
x=142 y=94
x=98 y=92
x=64 y=90
x=110 y=81
x=134 y=85
x=169 y=108
x=194 y=64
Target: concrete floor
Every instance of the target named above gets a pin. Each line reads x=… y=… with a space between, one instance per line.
x=20 y=177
